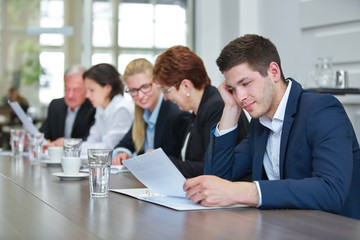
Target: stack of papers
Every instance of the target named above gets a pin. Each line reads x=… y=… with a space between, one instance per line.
x=163 y=180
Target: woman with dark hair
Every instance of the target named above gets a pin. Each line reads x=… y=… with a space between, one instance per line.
x=184 y=81
x=114 y=114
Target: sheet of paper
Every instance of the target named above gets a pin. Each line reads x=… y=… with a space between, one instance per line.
x=156 y=171
x=163 y=180
x=28 y=125
x=177 y=203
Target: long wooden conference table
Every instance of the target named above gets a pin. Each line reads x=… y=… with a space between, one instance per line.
x=36 y=205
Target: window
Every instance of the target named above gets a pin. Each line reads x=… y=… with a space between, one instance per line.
x=52 y=56
x=32 y=62
x=19 y=52
x=51 y=16
x=111 y=31
x=144 y=28
x=1 y=43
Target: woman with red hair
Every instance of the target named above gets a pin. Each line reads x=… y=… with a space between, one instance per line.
x=184 y=81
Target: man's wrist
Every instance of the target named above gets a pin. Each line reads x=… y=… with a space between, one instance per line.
x=219 y=133
x=229 y=118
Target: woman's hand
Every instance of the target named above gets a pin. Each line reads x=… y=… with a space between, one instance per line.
x=117 y=160
x=150 y=150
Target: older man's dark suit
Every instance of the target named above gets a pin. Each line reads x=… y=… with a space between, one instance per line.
x=169 y=130
x=53 y=127
x=319 y=157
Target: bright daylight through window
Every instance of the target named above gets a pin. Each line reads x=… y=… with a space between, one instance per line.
x=110 y=31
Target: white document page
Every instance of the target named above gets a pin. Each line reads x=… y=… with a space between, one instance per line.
x=177 y=203
x=156 y=171
x=163 y=180
x=23 y=118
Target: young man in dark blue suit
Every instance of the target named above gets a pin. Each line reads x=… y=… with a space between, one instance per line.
x=301 y=149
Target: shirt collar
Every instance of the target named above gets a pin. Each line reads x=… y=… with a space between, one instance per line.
x=151 y=117
x=75 y=111
x=276 y=124
x=109 y=109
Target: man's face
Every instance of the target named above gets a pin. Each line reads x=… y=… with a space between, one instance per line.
x=253 y=92
x=75 y=92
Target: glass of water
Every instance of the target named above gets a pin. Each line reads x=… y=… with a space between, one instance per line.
x=99 y=171
x=72 y=147
x=17 y=137
x=35 y=146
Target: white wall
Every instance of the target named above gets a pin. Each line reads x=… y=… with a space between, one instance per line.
x=207 y=30
x=302 y=30
x=216 y=24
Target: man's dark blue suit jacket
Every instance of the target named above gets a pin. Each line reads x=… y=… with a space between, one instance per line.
x=319 y=157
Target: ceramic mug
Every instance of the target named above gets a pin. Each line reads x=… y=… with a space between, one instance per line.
x=71 y=165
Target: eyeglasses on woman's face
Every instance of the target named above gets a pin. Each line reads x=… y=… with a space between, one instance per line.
x=134 y=92
x=167 y=90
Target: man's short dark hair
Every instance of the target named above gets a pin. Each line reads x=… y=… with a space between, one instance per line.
x=252 y=49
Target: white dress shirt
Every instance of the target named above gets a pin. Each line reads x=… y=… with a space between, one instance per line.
x=69 y=121
x=111 y=124
x=271 y=159
x=272 y=152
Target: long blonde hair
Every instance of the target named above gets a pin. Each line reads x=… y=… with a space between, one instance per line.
x=140 y=65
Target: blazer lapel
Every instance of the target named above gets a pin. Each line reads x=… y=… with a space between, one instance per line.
x=62 y=119
x=78 y=118
x=82 y=113
x=261 y=137
x=284 y=140
x=159 y=123
x=291 y=108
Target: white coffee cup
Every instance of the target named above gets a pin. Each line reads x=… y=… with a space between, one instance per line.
x=71 y=165
x=55 y=153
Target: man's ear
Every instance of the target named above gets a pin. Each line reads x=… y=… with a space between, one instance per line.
x=274 y=71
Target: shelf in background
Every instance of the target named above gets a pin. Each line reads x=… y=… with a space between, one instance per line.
x=336 y=91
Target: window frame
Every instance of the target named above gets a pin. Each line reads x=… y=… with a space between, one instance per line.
x=114 y=49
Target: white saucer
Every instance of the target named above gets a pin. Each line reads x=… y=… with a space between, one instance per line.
x=114 y=169
x=51 y=162
x=64 y=176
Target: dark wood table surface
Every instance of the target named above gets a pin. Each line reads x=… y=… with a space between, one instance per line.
x=36 y=205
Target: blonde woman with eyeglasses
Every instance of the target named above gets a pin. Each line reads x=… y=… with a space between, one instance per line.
x=157 y=123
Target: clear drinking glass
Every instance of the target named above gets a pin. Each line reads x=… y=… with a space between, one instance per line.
x=99 y=171
x=72 y=147
x=35 y=146
x=17 y=137
x=323 y=72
